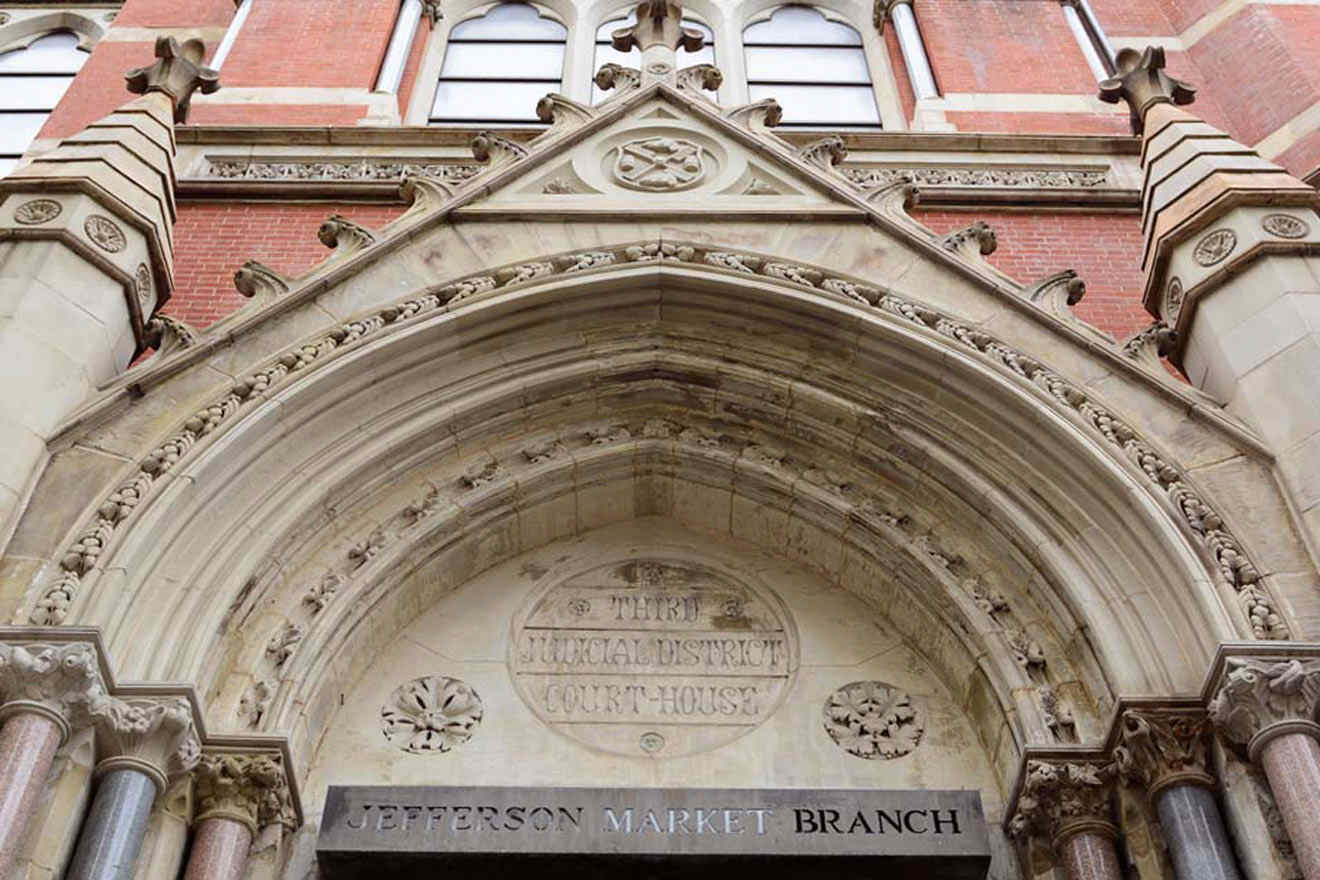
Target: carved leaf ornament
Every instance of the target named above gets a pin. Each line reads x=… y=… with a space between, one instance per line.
x=84 y=553
x=434 y=713
x=872 y=719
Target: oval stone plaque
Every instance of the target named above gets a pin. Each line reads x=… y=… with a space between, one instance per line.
x=653 y=657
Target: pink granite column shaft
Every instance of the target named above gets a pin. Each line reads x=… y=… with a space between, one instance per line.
x=219 y=851
x=1090 y=855
x=28 y=742
x=1292 y=764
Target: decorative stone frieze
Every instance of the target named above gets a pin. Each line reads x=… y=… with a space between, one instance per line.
x=177 y=73
x=358 y=170
x=1063 y=798
x=1259 y=699
x=1208 y=528
x=982 y=176
x=1158 y=749
x=248 y=788
x=153 y=735
x=58 y=681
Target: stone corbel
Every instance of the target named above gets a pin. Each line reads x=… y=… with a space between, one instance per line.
x=155 y=736
x=1260 y=699
x=56 y=681
x=249 y=788
x=1158 y=749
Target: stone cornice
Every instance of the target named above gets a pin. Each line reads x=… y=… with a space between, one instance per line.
x=217 y=742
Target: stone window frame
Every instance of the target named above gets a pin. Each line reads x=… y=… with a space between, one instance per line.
x=25 y=25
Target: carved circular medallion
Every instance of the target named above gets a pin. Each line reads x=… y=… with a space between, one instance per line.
x=1173 y=300
x=653 y=657
x=142 y=281
x=434 y=713
x=1215 y=247
x=37 y=211
x=1285 y=226
x=658 y=68
x=105 y=233
x=872 y=719
x=659 y=164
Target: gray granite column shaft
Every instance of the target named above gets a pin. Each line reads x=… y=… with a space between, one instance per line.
x=111 y=836
x=1194 y=831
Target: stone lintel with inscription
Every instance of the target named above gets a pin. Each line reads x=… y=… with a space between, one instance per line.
x=410 y=831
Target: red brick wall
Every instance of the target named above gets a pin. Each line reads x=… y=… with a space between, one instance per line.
x=175 y=13
x=212 y=239
x=905 y=94
x=1041 y=123
x=99 y=88
x=1105 y=249
x=277 y=114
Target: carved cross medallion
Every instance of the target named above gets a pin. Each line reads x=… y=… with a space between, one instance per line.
x=659 y=164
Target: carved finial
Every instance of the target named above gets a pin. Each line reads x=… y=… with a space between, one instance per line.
x=498 y=150
x=759 y=115
x=254 y=278
x=824 y=153
x=979 y=238
x=167 y=334
x=1065 y=285
x=1142 y=82
x=563 y=112
x=1153 y=342
x=177 y=72
x=344 y=235
x=1159 y=749
x=659 y=23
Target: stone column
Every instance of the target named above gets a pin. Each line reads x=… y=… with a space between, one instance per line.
x=910 y=43
x=1270 y=707
x=237 y=795
x=1165 y=752
x=145 y=740
x=1067 y=803
x=45 y=689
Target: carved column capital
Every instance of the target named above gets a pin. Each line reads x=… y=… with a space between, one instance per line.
x=178 y=72
x=881 y=10
x=57 y=681
x=1141 y=81
x=1258 y=700
x=153 y=735
x=251 y=789
x=659 y=23
x=1063 y=798
x=1158 y=749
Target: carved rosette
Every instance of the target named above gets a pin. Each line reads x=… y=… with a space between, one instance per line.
x=1063 y=798
x=1162 y=749
x=1260 y=699
x=249 y=789
x=872 y=719
x=153 y=735
x=57 y=681
x=431 y=714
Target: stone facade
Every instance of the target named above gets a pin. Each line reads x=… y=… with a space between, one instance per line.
x=660 y=445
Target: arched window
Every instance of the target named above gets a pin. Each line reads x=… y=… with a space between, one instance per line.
x=32 y=81
x=498 y=66
x=814 y=67
x=606 y=53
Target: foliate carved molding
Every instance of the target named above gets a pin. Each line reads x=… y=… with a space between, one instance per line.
x=281 y=645
x=64 y=679
x=1158 y=749
x=1060 y=798
x=321 y=593
x=699 y=78
x=1222 y=548
x=977 y=240
x=254 y=702
x=873 y=719
x=496 y=149
x=153 y=734
x=350 y=170
x=434 y=713
x=1257 y=695
x=824 y=153
x=1015 y=178
x=178 y=72
x=251 y=789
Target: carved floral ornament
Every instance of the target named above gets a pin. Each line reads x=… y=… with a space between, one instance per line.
x=37 y=211
x=872 y=719
x=434 y=713
x=1203 y=522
